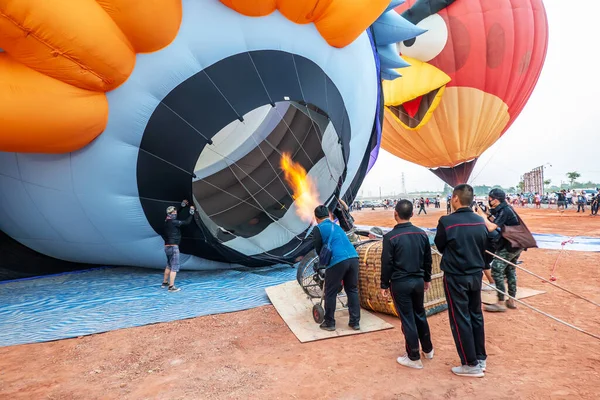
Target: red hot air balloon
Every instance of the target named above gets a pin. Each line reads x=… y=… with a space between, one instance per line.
x=471 y=74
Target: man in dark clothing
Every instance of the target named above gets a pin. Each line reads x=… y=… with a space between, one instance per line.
x=406 y=270
x=422 y=206
x=596 y=202
x=172 y=237
x=561 y=201
x=581 y=200
x=462 y=238
x=502 y=214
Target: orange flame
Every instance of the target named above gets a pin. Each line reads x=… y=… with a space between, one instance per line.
x=305 y=191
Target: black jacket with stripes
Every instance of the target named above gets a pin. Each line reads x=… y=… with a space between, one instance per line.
x=462 y=238
x=406 y=254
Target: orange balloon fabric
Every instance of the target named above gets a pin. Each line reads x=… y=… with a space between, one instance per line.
x=61 y=56
x=44 y=115
x=340 y=22
x=74 y=41
x=149 y=25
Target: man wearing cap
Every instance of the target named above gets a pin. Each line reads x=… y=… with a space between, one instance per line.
x=501 y=214
x=342 y=267
x=406 y=273
x=375 y=233
x=172 y=237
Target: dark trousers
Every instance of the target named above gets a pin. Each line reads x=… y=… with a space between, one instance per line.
x=423 y=210
x=408 y=297
x=346 y=271
x=581 y=206
x=463 y=294
x=594 y=208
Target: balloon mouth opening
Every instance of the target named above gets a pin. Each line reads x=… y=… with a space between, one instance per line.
x=240 y=188
x=416 y=112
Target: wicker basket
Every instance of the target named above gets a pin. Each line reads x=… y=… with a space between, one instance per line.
x=369 y=278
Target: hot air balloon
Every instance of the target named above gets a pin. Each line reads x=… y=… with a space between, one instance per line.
x=471 y=74
x=144 y=104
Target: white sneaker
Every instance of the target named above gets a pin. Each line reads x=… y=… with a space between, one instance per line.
x=407 y=362
x=467 y=370
x=429 y=355
x=483 y=364
x=490 y=288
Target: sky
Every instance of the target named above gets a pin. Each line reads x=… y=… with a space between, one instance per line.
x=558 y=126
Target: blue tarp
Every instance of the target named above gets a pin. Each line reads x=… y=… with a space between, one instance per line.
x=104 y=299
x=544 y=240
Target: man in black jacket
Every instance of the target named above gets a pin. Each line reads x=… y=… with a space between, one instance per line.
x=172 y=237
x=406 y=267
x=462 y=238
x=502 y=214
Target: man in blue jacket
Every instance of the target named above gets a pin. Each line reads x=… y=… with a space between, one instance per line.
x=343 y=266
x=406 y=271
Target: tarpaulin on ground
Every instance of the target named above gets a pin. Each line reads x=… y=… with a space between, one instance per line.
x=104 y=299
x=544 y=240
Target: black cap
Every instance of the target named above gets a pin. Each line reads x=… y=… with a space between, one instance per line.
x=321 y=212
x=498 y=194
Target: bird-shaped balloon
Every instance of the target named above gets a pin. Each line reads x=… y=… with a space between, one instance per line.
x=113 y=111
x=471 y=74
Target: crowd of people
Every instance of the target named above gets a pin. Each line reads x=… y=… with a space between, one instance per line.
x=464 y=238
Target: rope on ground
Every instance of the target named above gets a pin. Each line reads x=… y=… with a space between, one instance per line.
x=544 y=313
x=544 y=279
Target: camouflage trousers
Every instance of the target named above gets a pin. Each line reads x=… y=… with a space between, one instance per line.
x=502 y=271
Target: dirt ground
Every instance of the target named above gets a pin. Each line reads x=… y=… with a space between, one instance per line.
x=253 y=355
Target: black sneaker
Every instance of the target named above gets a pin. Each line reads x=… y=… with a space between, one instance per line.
x=326 y=327
x=173 y=289
x=356 y=327
x=164 y=285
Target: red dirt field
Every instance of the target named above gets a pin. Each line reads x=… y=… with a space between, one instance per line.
x=253 y=355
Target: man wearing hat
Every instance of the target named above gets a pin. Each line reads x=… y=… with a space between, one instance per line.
x=501 y=214
x=376 y=233
x=172 y=237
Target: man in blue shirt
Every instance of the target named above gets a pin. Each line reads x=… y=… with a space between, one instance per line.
x=343 y=267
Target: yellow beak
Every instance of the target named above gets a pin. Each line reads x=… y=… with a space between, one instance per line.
x=421 y=82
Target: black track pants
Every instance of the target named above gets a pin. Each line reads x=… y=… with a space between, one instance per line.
x=463 y=294
x=408 y=297
x=346 y=271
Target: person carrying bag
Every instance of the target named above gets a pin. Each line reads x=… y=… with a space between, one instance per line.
x=514 y=238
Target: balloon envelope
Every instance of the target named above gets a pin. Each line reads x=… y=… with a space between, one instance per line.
x=471 y=74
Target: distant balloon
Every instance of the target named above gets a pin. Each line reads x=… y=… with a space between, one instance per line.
x=471 y=74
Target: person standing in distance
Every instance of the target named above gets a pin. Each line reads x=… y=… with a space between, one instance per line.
x=422 y=206
x=172 y=237
x=462 y=238
x=406 y=271
x=343 y=266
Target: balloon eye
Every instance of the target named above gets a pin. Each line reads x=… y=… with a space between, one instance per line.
x=430 y=44
x=409 y=42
